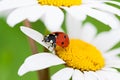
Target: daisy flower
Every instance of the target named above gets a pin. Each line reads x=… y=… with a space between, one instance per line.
x=87 y=57
x=50 y=11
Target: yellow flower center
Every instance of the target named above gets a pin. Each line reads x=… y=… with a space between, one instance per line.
x=60 y=2
x=81 y=55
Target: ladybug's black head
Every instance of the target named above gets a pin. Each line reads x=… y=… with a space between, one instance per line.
x=50 y=40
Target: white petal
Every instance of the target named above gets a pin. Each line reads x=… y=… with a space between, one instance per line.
x=113 y=52
x=77 y=12
x=88 y=32
x=10 y=4
x=53 y=18
x=102 y=75
x=113 y=63
x=92 y=1
x=101 y=16
x=107 y=40
x=77 y=75
x=34 y=35
x=111 y=59
x=73 y=26
x=105 y=7
x=15 y=17
x=89 y=76
x=31 y=13
x=107 y=75
x=112 y=55
x=96 y=75
x=63 y=74
x=38 y=62
x=109 y=69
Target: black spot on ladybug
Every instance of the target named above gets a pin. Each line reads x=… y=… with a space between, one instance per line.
x=62 y=43
x=65 y=36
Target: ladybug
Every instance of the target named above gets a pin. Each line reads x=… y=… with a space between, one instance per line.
x=56 y=38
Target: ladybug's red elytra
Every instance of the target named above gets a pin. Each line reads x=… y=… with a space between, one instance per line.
x=57 y=38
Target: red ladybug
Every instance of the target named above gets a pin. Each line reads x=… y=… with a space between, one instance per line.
x=56 y=38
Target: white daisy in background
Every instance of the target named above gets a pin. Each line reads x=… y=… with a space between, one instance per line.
x=50 y=11
x=87 y=57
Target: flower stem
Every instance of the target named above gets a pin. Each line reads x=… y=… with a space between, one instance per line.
x=42 y=74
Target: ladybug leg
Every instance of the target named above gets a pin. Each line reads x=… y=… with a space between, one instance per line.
x=49 y=47
x=54 y=45
x=43 y=40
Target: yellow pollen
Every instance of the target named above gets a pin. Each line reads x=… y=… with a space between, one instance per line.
x=81 y=55
x=60 y=2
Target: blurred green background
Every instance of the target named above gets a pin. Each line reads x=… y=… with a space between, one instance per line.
x=14 y=48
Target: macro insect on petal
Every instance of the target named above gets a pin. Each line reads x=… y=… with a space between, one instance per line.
x=56 y=38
